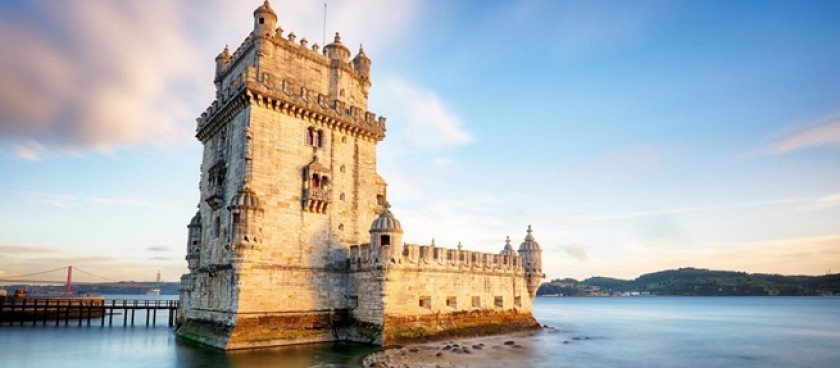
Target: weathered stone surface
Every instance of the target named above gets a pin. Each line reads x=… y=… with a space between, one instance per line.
x=293 y=241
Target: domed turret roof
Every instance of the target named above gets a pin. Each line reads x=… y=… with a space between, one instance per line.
x=245 y=198
x=361 y=55
x=529 y=243
x=265 y=8
x=386 y=222
x=508 y=251
x=196 y=220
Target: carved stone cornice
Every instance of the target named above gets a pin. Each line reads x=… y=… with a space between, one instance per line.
x=282 y=96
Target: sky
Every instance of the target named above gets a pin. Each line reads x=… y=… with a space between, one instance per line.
x=633 y=136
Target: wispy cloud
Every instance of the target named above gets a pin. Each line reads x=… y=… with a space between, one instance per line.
x=831 y=200
x=95 y=76
x=430 y=124
x=575 y=251
x=26 y=250
x=822 y=133
x=690 y=209
x=69 y=200
x=158 y=248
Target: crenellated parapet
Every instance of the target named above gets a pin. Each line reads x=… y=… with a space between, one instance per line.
x=432 y=258
x=277 y=94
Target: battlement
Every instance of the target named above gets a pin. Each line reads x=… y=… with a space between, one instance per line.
x=432 y=258
x=290 y=44
x=269 y=90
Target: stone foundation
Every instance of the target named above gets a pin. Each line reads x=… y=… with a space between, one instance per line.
x=399 y=330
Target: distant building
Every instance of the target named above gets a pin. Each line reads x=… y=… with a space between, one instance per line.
x=294 y=241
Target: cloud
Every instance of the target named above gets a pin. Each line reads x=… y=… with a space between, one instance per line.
x=96 y=76
x=26 y=250
x=575 y=251
x=823 y=135
x=429 y=124
x=128 y=200
x=831 y=200
x=158 y=248
x=691 y=209
x=68 y=200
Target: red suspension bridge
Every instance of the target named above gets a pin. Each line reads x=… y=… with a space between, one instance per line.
x=56 y=276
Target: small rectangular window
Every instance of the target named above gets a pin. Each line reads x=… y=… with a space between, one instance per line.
x=476 y=302
x=235 y=218
x=452 y=302
x=499 y=302
x=517 y=301
x=425 y=302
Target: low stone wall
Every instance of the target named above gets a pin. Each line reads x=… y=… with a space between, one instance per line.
x=405 y=329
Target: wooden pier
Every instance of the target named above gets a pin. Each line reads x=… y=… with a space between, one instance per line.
x=83 y=311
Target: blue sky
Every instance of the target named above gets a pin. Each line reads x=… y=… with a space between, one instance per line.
x=633 y=136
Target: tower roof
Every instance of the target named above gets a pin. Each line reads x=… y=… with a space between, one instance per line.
x=529 y=243
x=508 y=251
x=361 y=55
x=386 y=222
x=265 y=8
x=245 y=198
x=196 y=220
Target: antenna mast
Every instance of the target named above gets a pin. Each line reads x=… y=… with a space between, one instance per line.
x=324 y=34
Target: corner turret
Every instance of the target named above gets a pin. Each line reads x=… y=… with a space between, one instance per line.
x=386 y=232
x=194 y=242
x=361 y=63
x=531 y=255
x=336 y=50
x=222 y=65
x=245 y=211
x=508 y=250
x=265 y=19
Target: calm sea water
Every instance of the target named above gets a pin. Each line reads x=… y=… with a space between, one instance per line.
x=601 y=332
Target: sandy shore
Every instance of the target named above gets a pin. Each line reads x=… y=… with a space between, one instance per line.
x=509 y=350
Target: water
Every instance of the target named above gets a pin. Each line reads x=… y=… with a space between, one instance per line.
x=602 y=332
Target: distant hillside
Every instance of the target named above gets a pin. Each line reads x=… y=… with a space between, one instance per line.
x=697 y=282
x=114 y=288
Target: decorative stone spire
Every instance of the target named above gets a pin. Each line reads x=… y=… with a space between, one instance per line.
x=336 y=50
x=508 y=250
x=529 y=243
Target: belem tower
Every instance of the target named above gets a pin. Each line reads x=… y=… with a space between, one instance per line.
x=294 y=241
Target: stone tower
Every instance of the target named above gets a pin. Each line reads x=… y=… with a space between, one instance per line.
x=288 y=183
x=294 y=242
x=531 y=255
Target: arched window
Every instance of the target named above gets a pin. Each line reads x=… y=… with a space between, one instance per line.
x=316 y=182
x=341 y=169
x=325 y=182
x=319 y=139
x=341 y=197
x=217 y=226
x=310 y=136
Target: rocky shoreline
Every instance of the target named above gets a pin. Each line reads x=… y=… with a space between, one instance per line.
x=488 y=351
